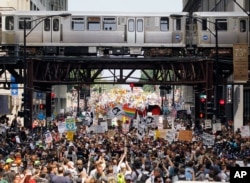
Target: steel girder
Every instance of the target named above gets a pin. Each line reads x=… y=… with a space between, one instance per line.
x=47 y=71
x=176 y=71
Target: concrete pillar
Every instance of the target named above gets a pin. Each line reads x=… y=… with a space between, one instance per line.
x=238 y=106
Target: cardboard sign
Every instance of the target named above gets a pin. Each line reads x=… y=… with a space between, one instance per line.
x=185 y=135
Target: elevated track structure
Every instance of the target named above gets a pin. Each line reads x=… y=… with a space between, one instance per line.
x=44 y=72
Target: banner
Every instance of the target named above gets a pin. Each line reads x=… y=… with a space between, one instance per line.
x=70 y=124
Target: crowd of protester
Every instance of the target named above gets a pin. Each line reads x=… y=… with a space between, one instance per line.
x=120 y=158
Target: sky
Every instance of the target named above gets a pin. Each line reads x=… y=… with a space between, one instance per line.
x=126 y=5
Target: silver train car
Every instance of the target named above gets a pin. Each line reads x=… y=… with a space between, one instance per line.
x=232 y=28
x=134 y=34
x=93 y=33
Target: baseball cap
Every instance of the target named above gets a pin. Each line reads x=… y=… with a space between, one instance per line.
x=128 y=177
x=123 y=165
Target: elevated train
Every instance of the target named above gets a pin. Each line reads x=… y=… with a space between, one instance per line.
x=134 y=34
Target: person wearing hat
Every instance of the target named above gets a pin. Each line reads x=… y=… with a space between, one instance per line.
x=128 y=178
x=8 y=164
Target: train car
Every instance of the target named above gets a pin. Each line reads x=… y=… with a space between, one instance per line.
x=232 y=28
x=93 y=33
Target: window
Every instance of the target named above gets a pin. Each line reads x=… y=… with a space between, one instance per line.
x=55 y=24
x=164 y=24
x=28 y=23
x=47 y=24
x=131 y=26
x=178 y=24
x=243 y=25
x=109 y=23
x=139 y=25
x=221 y=24
x=204 y=24
x=78 y=24
x=94 y=23
x=9 y=23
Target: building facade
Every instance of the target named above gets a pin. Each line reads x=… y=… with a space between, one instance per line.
x=34 y=5
x=12 y=96
x=214 y=5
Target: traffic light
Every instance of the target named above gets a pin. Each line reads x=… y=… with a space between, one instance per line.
x=202 y=107
x=222 y=111
x=210 y=110
x=25 y=99
x=20 y=114
x=41 y=106
x=53 y=99
x=131 y=86
x=202 y=115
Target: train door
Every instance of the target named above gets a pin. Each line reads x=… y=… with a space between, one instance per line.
x=243 y=33
x=177 y=31
x=135 y=30
x=51 y=30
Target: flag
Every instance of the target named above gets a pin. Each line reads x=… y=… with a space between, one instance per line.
x=154 y=109
x=129 y=112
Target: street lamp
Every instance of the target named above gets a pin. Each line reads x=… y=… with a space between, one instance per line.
x=215 y=34
x=26 y=91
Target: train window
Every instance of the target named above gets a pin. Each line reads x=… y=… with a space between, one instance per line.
x=94 y=23
x=78 y=24
x=55 y=24
x=164 y=24
x=131 y=25
x=204 y=24
x=221 y=24
x=243 y=25
x=47 y=24
x=109 y=23
x=139 y=25
x=9 y=23
x=177 y=24
x=28 y=23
